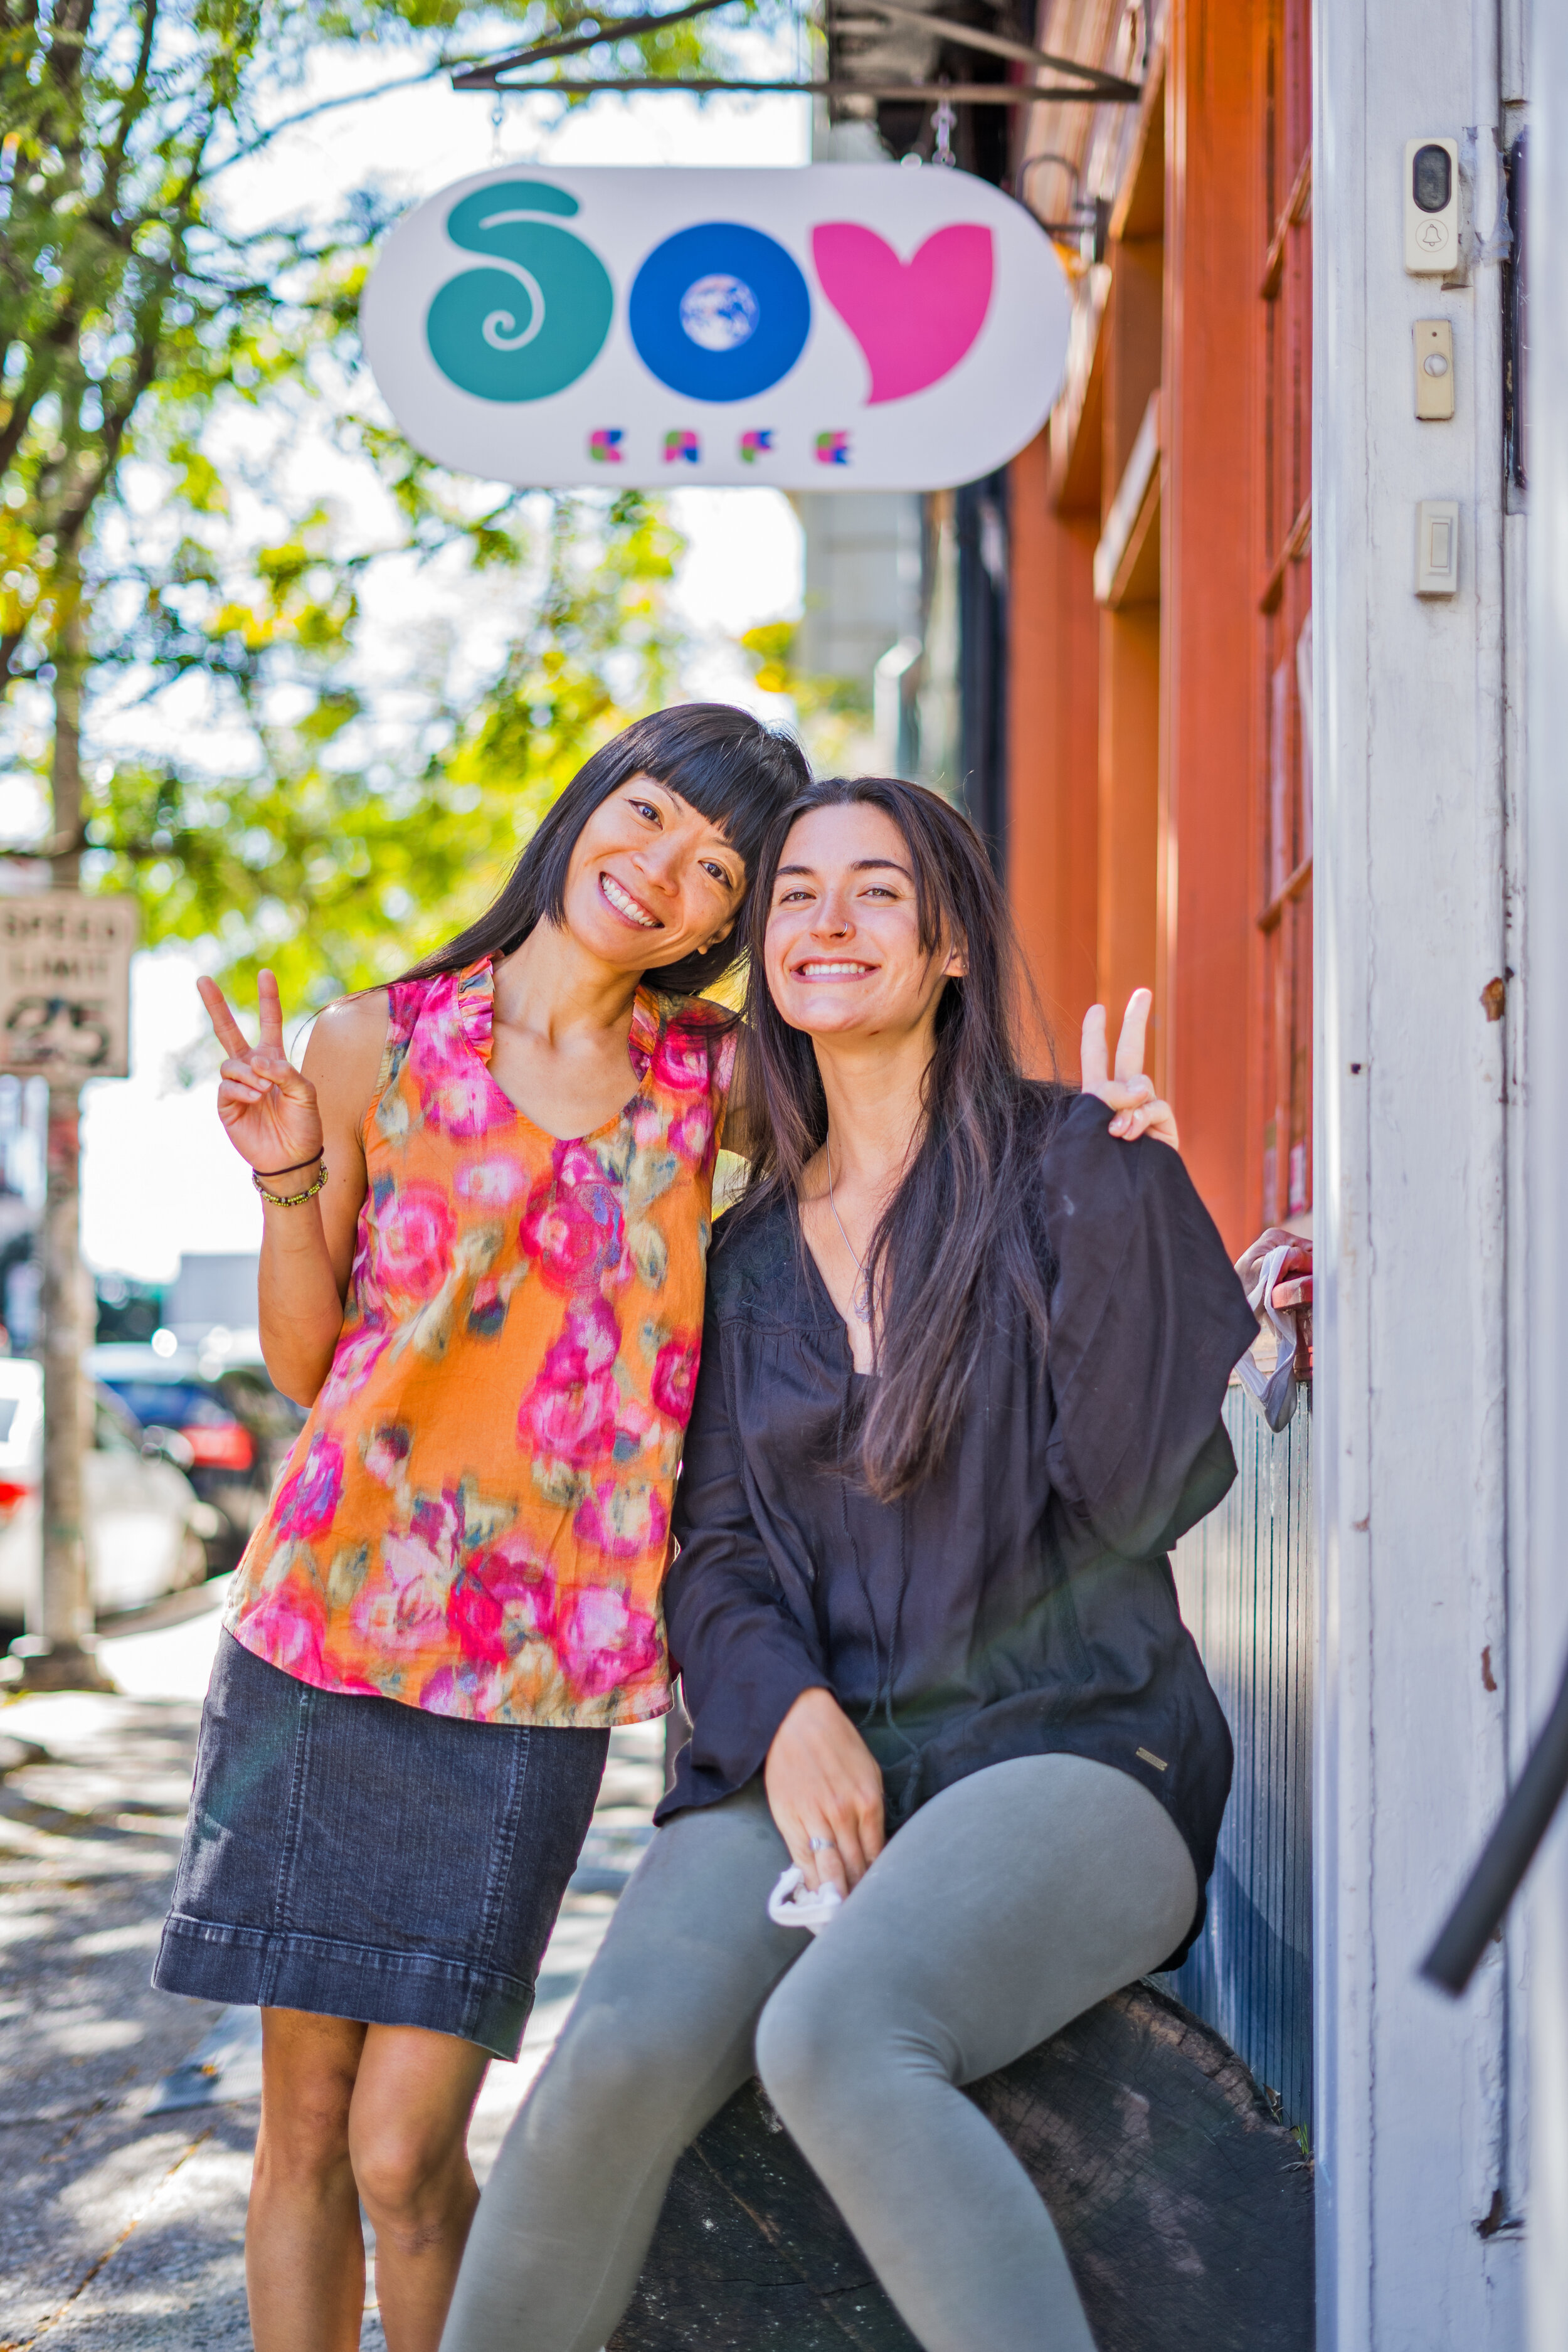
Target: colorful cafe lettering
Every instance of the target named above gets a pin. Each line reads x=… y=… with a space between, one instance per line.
x=718 y=312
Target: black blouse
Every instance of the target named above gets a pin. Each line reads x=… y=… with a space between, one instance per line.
x=1020 y=1602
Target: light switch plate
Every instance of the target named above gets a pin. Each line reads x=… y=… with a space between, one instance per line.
x=1437 y=547
x=1434 y=369
x=1432 y=207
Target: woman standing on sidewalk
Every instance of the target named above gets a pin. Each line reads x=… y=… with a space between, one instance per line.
x=482 y=1267
x=967 y=1342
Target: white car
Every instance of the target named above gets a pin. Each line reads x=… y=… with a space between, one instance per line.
x=145 y=1525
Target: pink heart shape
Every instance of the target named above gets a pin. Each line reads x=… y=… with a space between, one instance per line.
x=913 y=320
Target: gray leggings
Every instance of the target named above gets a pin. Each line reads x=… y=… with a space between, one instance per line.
x=1006 y=1906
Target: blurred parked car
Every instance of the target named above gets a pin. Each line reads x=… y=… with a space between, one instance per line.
x=147 y=1529
x=237 y=1426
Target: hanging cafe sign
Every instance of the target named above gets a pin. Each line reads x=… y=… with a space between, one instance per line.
x=838 y=326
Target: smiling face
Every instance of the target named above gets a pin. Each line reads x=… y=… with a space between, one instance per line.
x=844 y=955
x=651 y=879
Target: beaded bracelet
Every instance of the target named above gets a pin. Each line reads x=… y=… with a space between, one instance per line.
x=290 y=1200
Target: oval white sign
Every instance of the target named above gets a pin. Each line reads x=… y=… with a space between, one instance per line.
x=844 y=325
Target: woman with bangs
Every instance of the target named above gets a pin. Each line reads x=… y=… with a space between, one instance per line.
x=486 y=1203
x=966 y=1345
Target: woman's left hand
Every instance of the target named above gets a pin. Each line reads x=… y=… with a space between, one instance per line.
x=825 y=1792
x=1131 y=1095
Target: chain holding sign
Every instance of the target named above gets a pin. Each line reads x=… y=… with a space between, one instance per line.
x=65 y=986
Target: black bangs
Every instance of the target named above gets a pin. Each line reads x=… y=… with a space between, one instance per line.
x=727 y=784
x=734 y=771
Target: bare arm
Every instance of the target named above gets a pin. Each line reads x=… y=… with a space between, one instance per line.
x=280 y=1118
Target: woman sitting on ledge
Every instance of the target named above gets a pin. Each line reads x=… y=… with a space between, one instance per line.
x=966 y=1344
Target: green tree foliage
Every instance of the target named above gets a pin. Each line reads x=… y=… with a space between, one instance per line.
x=337 y=868
x=834 y=714
x=146 y=343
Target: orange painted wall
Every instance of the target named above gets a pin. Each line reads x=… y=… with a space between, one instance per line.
x=1128 y=813
x=1208 y=797
x=1129 y=663
x=1052 y=731
x=1137 y=745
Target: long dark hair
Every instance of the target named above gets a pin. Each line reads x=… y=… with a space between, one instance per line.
x=725 y=762
x=961 y=1245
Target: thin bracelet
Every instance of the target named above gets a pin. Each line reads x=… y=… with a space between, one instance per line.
x=293 y=1164
x=290 y=1200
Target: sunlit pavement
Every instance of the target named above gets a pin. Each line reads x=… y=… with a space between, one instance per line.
x=128 y=2117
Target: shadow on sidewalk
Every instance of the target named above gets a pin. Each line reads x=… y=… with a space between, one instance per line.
x=123 y=2221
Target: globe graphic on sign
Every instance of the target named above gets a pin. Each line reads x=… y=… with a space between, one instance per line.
x=720 y=312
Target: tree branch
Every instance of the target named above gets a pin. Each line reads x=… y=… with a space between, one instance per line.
x=29 y=391
x=325 y=106
x=131 y=106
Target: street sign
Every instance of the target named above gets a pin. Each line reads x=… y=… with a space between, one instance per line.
x=65 y=986
x=840 y=325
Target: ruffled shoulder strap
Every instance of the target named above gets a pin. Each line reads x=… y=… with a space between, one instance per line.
x=719 y=1031
x=431 y=1018
x=473 y=1004
x=688 y=1043
x=648 y=1027
x=405 y=999
x=428 y=1020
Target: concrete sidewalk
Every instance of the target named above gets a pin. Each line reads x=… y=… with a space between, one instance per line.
x=124 y=2215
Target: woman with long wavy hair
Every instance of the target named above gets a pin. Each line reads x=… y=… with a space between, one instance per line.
x=488 y=1195
x=967 y=1340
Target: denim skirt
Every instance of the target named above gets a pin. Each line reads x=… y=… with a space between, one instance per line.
x=359 y=1858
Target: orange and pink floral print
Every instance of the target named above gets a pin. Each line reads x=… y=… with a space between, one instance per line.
x=475 y=1518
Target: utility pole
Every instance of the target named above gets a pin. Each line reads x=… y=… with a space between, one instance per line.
x=61 y=1655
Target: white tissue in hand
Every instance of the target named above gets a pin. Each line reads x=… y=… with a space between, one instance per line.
x=1274 y=1393
x=792 y=1904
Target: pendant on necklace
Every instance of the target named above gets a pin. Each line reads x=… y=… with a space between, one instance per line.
x=860 y=1296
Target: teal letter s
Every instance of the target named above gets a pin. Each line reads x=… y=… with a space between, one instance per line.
x=524 y=332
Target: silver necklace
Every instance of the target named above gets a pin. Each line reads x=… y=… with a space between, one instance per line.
x=860 y=1296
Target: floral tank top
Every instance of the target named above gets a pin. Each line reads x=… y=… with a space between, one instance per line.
x=475 y=1518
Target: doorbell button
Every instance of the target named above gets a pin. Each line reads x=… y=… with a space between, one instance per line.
x=1431 y=207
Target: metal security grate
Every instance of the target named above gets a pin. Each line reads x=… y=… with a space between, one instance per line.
x=1247 y=1581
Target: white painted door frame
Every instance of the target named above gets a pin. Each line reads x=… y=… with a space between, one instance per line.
x=1545 y=1252
x=1417 y=2151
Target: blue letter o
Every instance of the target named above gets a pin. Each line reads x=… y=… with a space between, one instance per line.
x=720 y=312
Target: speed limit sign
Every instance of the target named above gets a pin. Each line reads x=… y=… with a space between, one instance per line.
x=65 y=985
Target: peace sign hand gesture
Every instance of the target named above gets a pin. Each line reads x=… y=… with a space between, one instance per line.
x=1130 y=1094
x=269 y=1107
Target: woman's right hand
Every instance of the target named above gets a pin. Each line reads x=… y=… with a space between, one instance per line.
x=1271 y=1238
x=1130 y=1094
x=269 y=1107
x=823 y=1782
